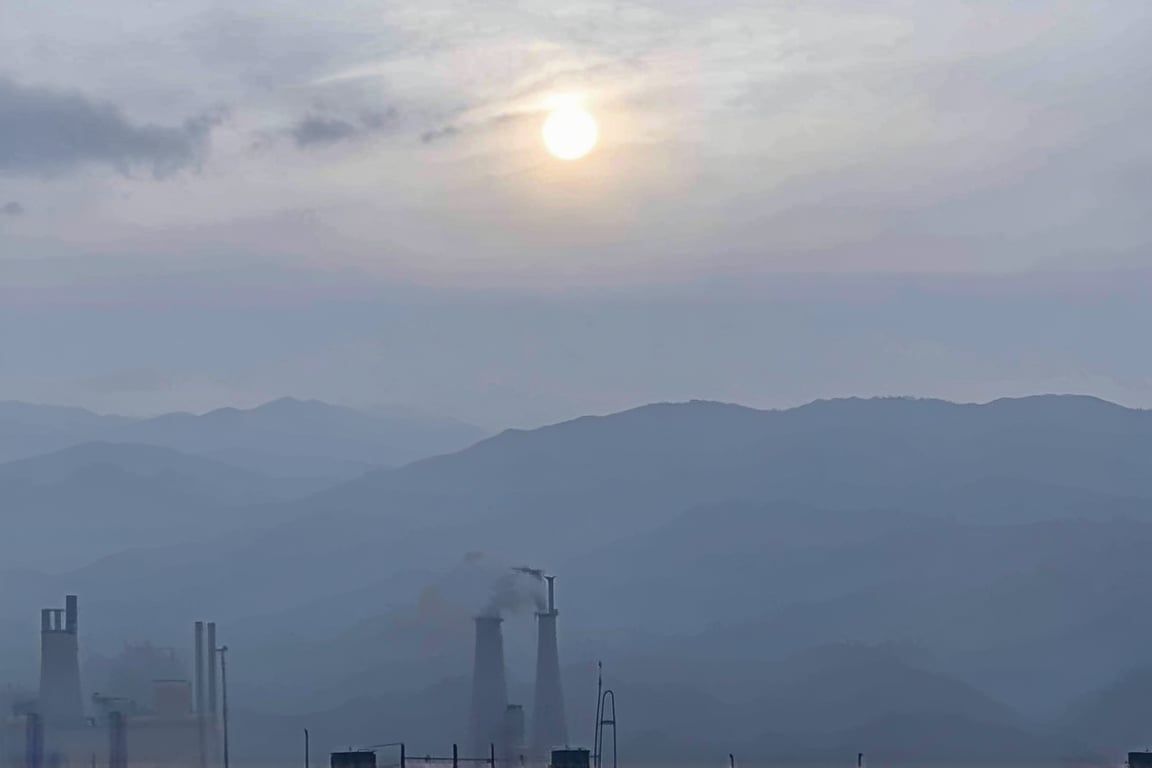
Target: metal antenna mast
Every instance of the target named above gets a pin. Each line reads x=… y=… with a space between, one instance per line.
x=605 y=700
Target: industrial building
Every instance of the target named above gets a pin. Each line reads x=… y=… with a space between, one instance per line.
x=178 y=726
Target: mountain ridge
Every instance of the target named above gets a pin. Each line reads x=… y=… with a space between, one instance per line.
x=287 y=437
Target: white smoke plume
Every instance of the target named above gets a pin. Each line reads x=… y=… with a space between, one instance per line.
x=480 y=585
x=516 y=590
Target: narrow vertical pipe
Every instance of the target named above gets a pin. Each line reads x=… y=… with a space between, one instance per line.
x=212 y=673
x=307 y=751
x=224 y=690
x=455 y=756
x=492 y=755
x=599 y=702
x=199 y=651
x=403 y=756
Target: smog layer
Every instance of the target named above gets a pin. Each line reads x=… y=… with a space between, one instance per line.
x=788 y=585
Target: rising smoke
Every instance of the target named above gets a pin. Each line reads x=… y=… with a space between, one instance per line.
x=516 y=590
x=479 y=585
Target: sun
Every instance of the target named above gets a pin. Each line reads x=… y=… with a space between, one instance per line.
x=570 y=133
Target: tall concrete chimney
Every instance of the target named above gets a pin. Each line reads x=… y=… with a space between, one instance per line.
x=489 y=689
x=549 y=725
x=61 y=702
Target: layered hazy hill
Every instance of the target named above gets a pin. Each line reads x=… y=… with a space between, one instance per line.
x=78 y=486
x=305 y=438
x=28 y=429
x=283 y=438
x=963 y=573
x=67 y=508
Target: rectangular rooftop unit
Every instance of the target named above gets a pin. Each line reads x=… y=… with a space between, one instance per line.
x=570 y=758
x=354 y=759
x=1140 y=759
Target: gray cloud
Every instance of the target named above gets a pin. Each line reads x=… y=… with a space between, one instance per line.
x=45 y=131
x=321 y=131
x=437 y=134
x=314 y=130
x=13 y=208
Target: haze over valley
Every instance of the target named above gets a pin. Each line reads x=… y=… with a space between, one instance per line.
x=790 y=583
x=442 y=372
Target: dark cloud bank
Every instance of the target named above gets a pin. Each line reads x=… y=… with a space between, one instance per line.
x=44 y=130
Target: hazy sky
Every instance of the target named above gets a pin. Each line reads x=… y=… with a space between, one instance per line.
x=215 y=203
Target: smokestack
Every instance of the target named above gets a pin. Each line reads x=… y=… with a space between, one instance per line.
x=489 y=688
x=212 y=670
x=199 y=642
x=61 y=702
x=549 y=725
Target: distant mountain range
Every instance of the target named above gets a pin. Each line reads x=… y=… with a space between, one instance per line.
x=65 y=509
x=284 y=438
x=28 y=429
x=895 y=576
x=78 y=486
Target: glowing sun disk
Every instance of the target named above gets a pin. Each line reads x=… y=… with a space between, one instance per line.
x=570 y=133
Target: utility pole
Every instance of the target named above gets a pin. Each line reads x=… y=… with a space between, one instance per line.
x=223 y=650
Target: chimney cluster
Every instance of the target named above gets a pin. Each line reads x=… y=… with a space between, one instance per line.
x=207 y=658
x=497 y=725
x=57 y=731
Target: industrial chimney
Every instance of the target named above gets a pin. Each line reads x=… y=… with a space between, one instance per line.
x=213 y=674
x=549 y=726
x=61 y=702
x=489 y=689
